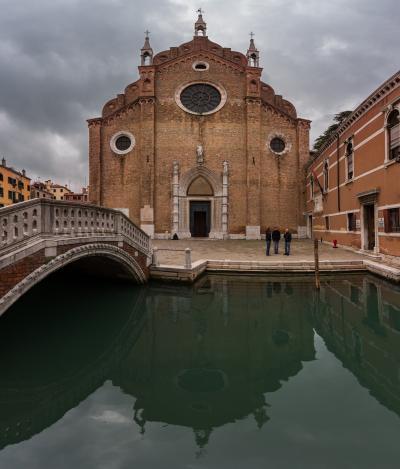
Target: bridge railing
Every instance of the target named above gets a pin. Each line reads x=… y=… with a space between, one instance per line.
x=24 y=220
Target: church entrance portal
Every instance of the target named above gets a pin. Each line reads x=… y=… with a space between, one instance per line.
x=200 y=217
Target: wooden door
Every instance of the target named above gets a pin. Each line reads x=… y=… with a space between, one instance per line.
x=370 y=222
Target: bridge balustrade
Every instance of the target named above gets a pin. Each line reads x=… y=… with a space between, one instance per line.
x=45 y=217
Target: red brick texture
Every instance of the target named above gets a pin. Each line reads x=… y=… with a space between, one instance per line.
x=264 y=189
x=15 y=273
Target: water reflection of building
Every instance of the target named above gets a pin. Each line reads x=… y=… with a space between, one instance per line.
x=359 y=319
x=207 y=357
x=198 y=357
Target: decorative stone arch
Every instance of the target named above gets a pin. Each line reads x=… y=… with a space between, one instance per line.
x=218 y=200
x=211 y=177
x=114 y=253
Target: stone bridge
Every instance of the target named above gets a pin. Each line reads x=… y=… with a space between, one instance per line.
x=41 y=236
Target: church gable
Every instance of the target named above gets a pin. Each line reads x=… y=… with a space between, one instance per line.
x=199 y=141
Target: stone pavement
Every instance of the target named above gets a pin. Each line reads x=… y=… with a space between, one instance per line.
x=242 y=250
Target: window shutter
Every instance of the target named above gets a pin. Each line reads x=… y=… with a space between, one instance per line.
x=386 y=219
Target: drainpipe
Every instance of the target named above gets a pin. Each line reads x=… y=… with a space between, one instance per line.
x=337 y=172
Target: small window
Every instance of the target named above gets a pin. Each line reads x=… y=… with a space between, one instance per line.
x=351 y=221
x=394 y=220
x=1 y=176
x=312 y=186
x=393 y=126
x=349 y=158
x=327 y=223
x=326 y=176
x=123 y=143
x=277 y=145
x=200 y=66
x=1 y=192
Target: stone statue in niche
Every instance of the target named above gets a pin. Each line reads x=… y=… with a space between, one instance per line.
x=200 y=154
x=225 y=166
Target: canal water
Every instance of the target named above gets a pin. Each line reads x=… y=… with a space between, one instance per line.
x=233 y=372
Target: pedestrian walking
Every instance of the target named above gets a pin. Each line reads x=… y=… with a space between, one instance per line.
x=276 y=236
x=288 y=239
x=268 y=239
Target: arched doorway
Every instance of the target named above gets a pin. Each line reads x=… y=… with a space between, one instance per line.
x=200 y=210
x=200 y=201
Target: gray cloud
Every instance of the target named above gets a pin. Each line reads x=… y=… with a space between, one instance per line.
x=60 y=60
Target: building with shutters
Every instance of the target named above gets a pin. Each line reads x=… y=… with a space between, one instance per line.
x=353 y=192
x=14 y=185
x=200 y=146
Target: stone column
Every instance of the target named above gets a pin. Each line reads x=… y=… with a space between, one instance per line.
x=175 y=199
x=225 y=200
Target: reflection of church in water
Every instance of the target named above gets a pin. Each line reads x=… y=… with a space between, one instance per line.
x=200 y=146
x=204 y=356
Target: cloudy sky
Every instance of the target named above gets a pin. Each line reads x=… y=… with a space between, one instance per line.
x=60 y=60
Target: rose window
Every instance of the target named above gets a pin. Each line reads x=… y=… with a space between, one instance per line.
x=200 y=98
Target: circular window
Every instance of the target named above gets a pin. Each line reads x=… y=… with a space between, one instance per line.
x=201 y=98
x=200 y=66
x=277 y=145
x=122 y=143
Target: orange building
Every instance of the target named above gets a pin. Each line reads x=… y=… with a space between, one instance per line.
x=351 y=187
x=14 y=185
x=59 y=192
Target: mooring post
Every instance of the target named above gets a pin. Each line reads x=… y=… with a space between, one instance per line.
x=155 y=257
x=316 y=259
x=188 y=258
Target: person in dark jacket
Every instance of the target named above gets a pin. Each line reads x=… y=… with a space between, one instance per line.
x=268 y=239
x=276 y=236
x=288 y=238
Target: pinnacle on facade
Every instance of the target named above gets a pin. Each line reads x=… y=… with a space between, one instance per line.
x=200 y=27
x=253 y=55
x=146 y=51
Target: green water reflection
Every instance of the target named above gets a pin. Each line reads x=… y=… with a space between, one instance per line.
x=238 y=372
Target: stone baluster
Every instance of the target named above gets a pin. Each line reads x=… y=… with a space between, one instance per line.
x=155 y=257
x=188 y=258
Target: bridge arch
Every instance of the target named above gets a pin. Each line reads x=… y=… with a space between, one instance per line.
x=94 y=250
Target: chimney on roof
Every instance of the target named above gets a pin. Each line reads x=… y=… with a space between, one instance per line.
x=23 y=172
x=3 y=162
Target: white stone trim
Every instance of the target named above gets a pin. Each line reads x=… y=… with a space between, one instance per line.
x=288 y=144
x=390 y=234
x=219 y=87
x=202 y=62
x=114 y=138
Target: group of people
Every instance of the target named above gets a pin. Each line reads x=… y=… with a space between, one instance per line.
x=275 y=236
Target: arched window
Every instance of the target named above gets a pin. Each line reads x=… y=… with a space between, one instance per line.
x=349 y=159
x=393 y=129
x=312 y=186
x=326 y=176
x=146 y=59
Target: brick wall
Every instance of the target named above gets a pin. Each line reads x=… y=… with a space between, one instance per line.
x=263 y=189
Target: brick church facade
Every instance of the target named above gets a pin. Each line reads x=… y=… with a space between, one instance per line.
x=200 y=146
